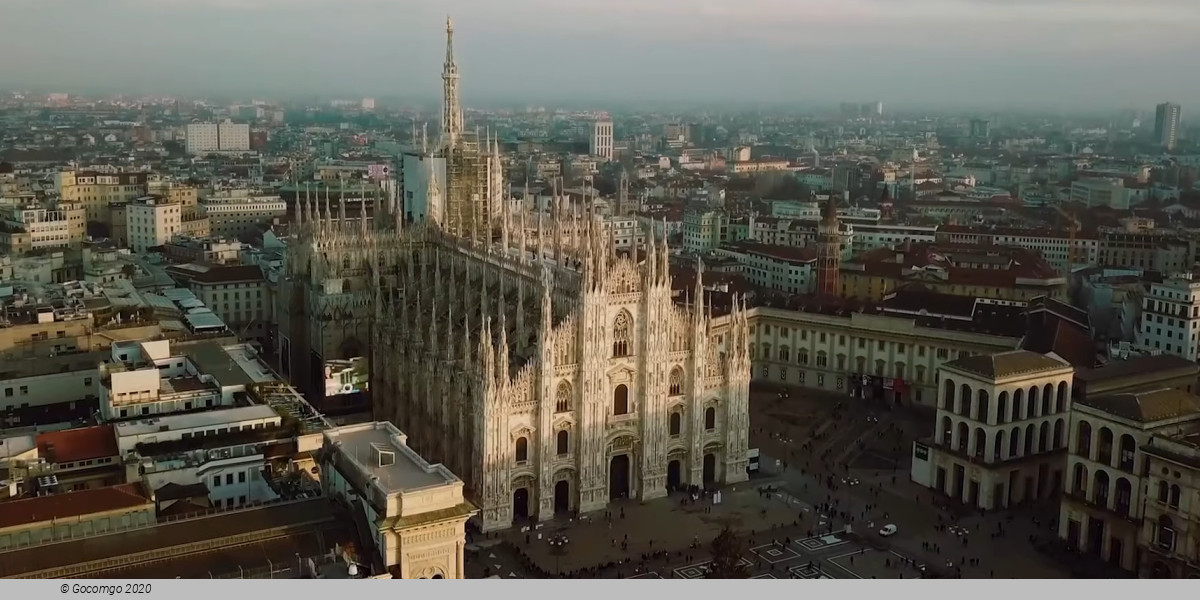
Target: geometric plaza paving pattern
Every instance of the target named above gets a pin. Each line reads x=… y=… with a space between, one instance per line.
x=821 y=542
x=774 y=553
x=698 y=570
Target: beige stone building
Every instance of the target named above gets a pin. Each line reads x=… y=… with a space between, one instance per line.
x=30 y=227
x=1169 y=538
x=1102 y=509
x=414 y=513
x=1001 y=430
x=833 y=349
x=97 y=190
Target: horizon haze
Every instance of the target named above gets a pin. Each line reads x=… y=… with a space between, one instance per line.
x=1043 y=54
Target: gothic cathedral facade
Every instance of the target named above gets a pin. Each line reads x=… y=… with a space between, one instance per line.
x=552 y=378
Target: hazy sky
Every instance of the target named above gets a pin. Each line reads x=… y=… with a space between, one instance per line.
x=1041 y=53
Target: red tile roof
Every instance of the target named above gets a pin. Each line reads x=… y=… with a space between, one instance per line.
x=74 y=445
x=71 y=504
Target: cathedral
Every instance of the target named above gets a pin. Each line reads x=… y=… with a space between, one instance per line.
x=553 y=375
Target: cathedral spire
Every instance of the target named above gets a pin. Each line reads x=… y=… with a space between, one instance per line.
x=341 y=205
x=487 y=353
x=651 y=255
x=502 y=352
x=665 y=261
x=541 y=238
x=452 y=116
x=522 y=238
x=328 y=213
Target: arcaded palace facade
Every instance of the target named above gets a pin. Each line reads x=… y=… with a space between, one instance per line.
x=551 y=374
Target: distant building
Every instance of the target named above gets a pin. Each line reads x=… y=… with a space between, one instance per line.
x=232 y=212
x=368 y=104
x=1171 y=317
x=601 y=141
x=209 y=138
x=1166 y=124
x=981 y=129
x=1105 y=192
x=152 y=221
x=24 y=228
x=238 y=294
x=98 y=190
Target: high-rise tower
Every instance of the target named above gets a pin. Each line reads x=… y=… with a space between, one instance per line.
x=829 y=252
x=452 y=116
x=1166 y=125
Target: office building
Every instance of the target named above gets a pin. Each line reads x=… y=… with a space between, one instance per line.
x=217 y=138
x=600 y=143
x=1167 y=118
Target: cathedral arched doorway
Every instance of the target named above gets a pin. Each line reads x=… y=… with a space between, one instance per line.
x=562 y=496
x=674 y=475
x=521 y=504
x=710 y=469
x=618 y=477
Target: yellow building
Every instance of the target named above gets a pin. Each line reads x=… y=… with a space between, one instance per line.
x=96 y=191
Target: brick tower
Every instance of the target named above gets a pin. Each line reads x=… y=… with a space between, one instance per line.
x=829 y=252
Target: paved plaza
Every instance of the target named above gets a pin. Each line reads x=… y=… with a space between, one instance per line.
x=831 y=465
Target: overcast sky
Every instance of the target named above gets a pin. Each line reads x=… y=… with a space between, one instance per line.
x=1035 y=53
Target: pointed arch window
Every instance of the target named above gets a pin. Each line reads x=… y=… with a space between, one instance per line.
x=621 y=336
x=676 y=382
x=562 y=399
x=563 y=442
x=675 y=424
x=710 y=418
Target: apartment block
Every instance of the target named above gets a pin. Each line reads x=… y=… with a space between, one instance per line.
x=152 y=221
x=97 y=190
x=213 y=138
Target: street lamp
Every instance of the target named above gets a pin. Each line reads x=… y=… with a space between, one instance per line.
x=558 y=547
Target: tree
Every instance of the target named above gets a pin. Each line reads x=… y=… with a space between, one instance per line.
x=727 y=550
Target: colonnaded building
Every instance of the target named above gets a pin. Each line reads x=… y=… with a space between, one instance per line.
x=551 y=374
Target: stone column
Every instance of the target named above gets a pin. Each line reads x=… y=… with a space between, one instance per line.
x=461 y=573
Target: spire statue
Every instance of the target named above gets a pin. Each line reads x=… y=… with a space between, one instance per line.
x=452 y=116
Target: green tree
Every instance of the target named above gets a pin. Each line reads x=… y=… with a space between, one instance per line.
x=727 y=550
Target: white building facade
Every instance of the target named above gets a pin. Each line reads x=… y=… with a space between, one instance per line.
x=210 y=138
x=601 y=141
x=1170 y=320
x=151 y=222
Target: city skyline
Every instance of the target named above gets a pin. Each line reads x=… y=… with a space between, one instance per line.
x=928 y=53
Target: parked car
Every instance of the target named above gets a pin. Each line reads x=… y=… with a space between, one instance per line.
x=887 y=531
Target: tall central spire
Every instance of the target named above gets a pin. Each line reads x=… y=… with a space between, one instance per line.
x=452 y=116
